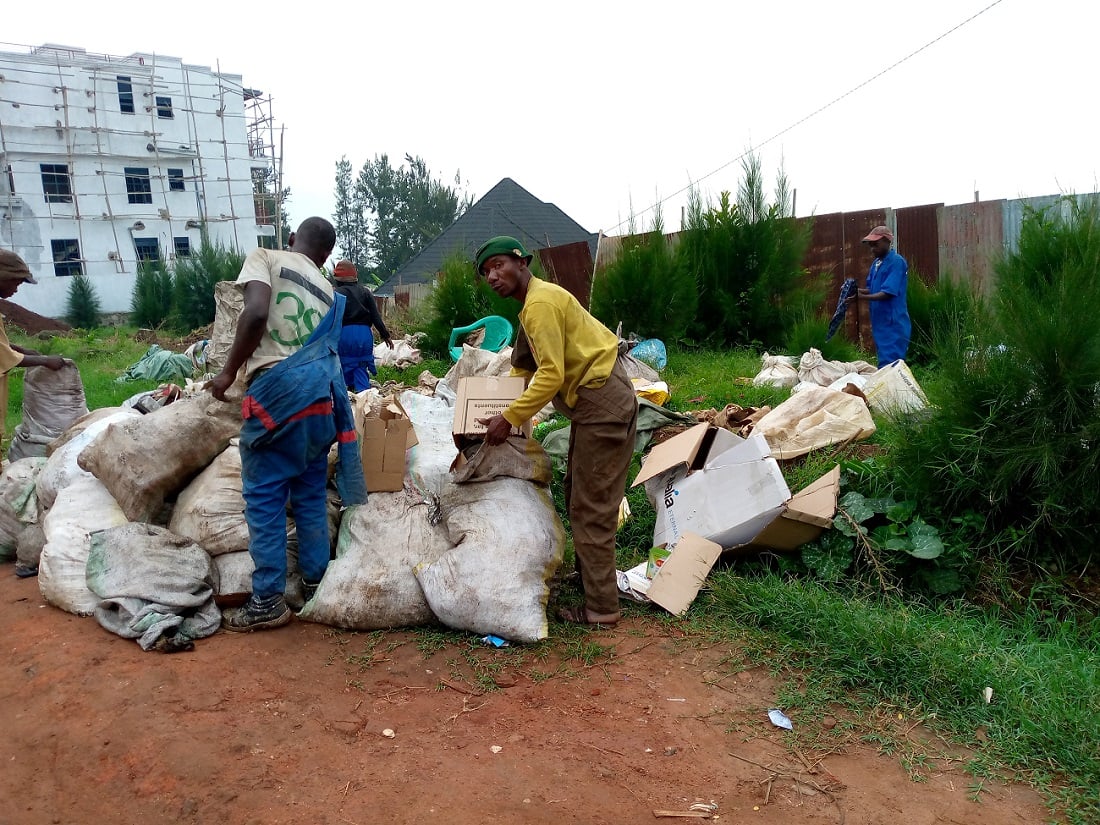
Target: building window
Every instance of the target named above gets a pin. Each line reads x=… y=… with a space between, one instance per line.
x=138 y=187
x=125 y=95
x=175 y=180
x=66 y=257
x=183 y=247
x=11 y=180
x=164 y=107
x=56 y=183
x=148 y=249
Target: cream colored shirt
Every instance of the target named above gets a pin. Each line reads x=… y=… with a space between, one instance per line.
x=300 y=298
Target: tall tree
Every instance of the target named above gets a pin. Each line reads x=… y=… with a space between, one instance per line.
x=348 y=217
x=388 y=213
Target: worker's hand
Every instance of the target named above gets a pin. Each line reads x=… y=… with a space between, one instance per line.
x=497 y=429
x=55 y=362
x=863 y=293
x=389 y=343
x=220 y=384
x=848 y=301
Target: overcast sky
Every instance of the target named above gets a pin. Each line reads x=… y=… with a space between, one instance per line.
x=600 y=106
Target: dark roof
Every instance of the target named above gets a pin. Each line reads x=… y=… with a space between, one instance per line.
x=506 y=209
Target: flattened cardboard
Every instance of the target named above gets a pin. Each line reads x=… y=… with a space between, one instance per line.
x=483 y=397
x=678 y=581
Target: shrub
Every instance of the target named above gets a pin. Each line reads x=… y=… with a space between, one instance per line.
x=83 y=307
x=939 y=308
x=746 y=258
x=151 y=302
x=193 y=285
x=646 y=289
x=1016 y=433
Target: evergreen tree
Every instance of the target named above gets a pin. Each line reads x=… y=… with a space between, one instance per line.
x=83 y=307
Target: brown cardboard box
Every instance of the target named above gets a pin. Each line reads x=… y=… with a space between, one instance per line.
x=383 y=443
x=484 y=397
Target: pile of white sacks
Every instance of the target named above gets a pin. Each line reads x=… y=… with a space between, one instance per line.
x=139 y=521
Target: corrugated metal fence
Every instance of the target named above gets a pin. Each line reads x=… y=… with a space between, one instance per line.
x=961 y=242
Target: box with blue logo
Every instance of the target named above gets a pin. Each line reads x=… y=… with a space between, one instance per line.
x=730 y=491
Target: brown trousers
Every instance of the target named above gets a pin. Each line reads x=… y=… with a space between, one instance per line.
x=601 y=444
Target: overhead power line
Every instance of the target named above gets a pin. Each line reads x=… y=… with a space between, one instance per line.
x=815 y=112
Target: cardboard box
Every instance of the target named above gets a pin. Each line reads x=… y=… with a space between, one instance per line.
x=383 y=442
x=730 y=491
x=715 y=492
x=484 y=397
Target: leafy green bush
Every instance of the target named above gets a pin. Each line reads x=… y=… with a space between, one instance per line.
x=151 y=302
x=746 y=258
x=82 y=309
x=646 y=289
x=1015 y=434
x=193 y=285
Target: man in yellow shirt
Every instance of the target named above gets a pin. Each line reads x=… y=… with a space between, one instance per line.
x=571 y=359
x=14 y=272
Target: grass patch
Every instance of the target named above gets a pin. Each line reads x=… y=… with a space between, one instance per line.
x=1043 y=724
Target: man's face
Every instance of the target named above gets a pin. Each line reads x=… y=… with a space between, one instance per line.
x=502 y=273
x=880 y=247
x=8 y=287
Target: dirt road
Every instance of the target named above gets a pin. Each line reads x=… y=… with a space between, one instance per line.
x=288 y=727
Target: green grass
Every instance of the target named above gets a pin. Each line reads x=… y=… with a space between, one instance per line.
x=1042 y=726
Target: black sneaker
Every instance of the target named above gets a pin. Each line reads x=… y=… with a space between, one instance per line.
x=309 y=591
x=257 y=615
x=25 y=571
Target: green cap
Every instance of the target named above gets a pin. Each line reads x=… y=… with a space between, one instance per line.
x=500 y=245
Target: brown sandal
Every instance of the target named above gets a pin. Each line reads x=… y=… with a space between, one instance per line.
x=582 y=615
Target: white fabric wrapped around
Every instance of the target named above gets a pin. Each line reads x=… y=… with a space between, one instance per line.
x=80 y=509
x=815 y=417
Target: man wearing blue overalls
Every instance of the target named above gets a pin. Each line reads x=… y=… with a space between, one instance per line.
x=887 y=282
x=295 y=407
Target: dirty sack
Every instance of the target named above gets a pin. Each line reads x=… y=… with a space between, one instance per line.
x=81 y=508
x=430 y=460
x=479 y=362
x=228 y=303
x=61 y=467
x=210 y=510
x=52 y=401
x=506 y=543
x=153 y=586
x=517 y=457
x=370 y=584
x=776 y=371
x=28 y=549
x=149 y=458
x=18 y=502
x=158 y=364
x=814 y=369
x=894 y=391
x=405 y=353
x=814 y=418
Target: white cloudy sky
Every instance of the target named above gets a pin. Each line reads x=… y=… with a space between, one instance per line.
x=601 y=105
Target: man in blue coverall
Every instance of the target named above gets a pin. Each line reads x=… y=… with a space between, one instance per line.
x=887 y=281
